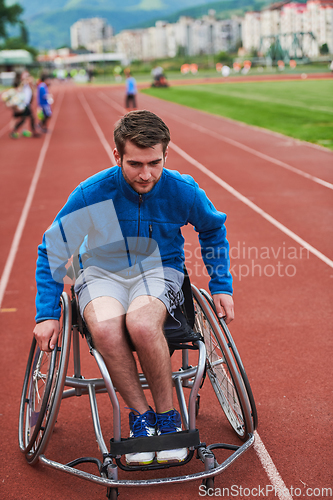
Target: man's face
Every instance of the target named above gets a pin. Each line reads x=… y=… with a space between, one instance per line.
x=142 y=168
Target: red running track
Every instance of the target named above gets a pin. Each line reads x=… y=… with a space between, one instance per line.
x=283 y=292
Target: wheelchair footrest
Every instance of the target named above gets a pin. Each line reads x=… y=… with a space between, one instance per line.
x=174 y=440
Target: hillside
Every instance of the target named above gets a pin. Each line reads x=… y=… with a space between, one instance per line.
x=35 y=7
x=222 y=8
x=49 y=23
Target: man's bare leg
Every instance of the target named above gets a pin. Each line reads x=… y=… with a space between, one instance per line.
x=105 y=318
x=145 y=321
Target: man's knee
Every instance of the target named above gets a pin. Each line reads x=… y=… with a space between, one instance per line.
x=145 y=324
x=105 y=321
x=140 y=328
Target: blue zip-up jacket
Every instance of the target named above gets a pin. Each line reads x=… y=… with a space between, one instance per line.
x=117 y=229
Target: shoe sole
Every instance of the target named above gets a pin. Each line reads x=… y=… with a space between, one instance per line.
x=140 y=463
x=171 y=461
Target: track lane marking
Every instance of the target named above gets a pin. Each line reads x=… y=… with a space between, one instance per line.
x=234 y=143
x=107 y=99
x=96 y=126
x=262 y=453
x=233 y=191
x=26 y=208
x=252 y=151
x=251 y=205
x=280 y=489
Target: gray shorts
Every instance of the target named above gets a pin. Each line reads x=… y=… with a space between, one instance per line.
x=164 y=283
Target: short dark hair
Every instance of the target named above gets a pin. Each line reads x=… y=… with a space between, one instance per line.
x=143 y=128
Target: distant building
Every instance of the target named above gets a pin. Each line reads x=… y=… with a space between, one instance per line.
x=94 y=34
x=207 y=35
x=301 y=28
x=294 y=28
x=251 y=32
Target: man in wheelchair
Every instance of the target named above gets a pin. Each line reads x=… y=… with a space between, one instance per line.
x=126 y=222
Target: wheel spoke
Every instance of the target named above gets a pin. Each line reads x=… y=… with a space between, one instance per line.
x=219 y=373
x=41 y=389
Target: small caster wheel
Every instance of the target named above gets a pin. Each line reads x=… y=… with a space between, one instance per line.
x=112 y=493
x=209 y=483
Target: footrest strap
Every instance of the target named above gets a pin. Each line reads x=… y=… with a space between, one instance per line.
x=174 y=440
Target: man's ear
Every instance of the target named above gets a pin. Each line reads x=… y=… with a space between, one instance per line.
x=117 y=156
x=166 y=153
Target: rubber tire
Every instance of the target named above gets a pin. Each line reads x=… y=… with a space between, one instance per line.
x=218 y=355
x=42 y=389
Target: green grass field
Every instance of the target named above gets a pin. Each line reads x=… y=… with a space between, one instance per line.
x=300 y=109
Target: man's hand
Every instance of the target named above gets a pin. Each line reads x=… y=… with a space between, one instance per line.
x=46 y=334
x=224 y=305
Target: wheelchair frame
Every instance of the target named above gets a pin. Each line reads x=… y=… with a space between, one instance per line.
x=217 y=356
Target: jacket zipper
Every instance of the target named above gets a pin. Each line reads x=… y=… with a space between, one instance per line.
x=139 y=219
x=137 y=239
x=140 y=202
x=150 y=236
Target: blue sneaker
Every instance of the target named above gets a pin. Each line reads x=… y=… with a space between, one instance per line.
x=168 y=422
x=141 y=425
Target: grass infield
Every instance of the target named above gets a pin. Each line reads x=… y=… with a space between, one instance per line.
x=299 y=109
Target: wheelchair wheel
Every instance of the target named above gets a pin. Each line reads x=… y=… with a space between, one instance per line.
x=221 y=368
x=238 y=360
x=42 y=389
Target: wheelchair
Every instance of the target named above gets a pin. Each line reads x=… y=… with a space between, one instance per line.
x=46 y=384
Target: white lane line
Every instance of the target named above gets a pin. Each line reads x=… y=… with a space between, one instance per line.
x=232 y=142
x=276 y=480
x=274 y=477
x=26 y=208
x=252 y=151
x=252 y=205
x=97 y=128
x=113 y=103
x=234 y=192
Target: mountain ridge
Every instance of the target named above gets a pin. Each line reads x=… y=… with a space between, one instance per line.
x=51 y=29
x=36 y=7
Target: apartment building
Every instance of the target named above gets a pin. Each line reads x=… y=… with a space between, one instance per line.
x=309 y=25
x=94 y=34
x=301 y=29
x=320 y=21
x=190 y=36
x=251 y=31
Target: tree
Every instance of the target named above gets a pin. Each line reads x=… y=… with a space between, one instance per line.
x=24 y=33
x=324 y=49
x=11 y=15
x=16 y=43
x=8 y=15
x=224 y=57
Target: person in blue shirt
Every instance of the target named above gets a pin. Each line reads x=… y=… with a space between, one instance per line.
x=44 y=101
x=131 y=91
x=126 y=221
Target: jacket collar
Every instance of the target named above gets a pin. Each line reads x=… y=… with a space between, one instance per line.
x=132 y=195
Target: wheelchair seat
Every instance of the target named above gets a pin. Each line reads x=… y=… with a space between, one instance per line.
x=181 y=337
